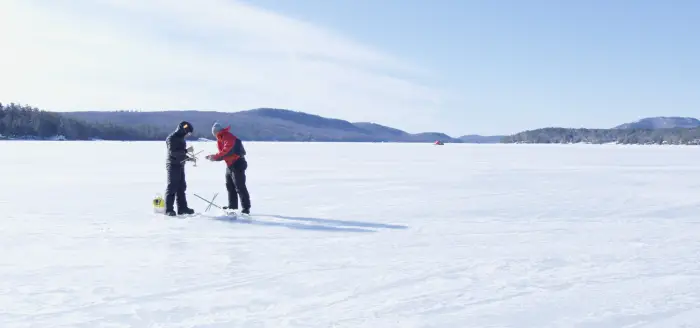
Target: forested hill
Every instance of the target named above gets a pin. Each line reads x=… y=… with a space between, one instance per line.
x=662 y=122
x=266 y=124
x=26 y=122
x=675 y=136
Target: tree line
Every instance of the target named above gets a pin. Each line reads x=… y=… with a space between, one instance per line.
x=672 y=136
x=27 y=122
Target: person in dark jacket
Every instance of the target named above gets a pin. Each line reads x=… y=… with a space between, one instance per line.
x=175 y=165
x=232 y=152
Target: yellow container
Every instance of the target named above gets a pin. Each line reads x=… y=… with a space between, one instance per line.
x=158 y=204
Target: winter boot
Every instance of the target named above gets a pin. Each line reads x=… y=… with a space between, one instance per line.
x=182 y=207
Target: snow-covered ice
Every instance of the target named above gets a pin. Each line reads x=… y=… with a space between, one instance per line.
x=354 y=235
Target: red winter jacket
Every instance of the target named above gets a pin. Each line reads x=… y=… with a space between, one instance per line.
x=230 y=147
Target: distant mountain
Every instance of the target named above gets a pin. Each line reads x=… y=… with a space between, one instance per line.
x=662 y=122
x=474 y=138
x=382 y=131
x=264 y=124
x=660 y=130
x=673 y=136
x=270 y=124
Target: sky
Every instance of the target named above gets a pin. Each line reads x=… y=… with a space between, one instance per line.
x=455 y=66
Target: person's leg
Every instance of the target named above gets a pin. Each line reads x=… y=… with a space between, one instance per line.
x=231 y=189
x=239 y=180
x=174 y=181
x=182 y=207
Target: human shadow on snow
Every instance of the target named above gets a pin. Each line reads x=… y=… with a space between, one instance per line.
x=340 y=223
x=311 y=223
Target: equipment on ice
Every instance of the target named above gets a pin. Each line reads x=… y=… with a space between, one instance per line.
x=159 y=204
x=191 y=156
x=211 y=203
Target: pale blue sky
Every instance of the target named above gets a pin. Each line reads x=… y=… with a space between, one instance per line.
x=528 y=64
x=460 y=67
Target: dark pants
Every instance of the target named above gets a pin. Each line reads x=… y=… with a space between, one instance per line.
x=236 y=186
x=176 y=187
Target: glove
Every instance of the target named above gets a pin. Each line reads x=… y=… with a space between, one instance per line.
x=190 y=149
x=210 y=157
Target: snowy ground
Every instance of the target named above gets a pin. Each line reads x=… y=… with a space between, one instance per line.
x=354 y=235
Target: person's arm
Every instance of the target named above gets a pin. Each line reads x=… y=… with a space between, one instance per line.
x=231 y=146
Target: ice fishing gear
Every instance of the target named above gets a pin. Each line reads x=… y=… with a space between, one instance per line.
x=210 y=202
x=158 y=204
x=190 y=156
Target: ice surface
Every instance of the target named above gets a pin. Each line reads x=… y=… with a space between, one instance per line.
x=354 y=235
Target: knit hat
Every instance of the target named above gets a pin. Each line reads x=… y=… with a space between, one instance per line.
x=216 y=128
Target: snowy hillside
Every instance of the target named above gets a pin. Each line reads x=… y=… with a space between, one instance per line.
x=354 y=235
x=662 y=122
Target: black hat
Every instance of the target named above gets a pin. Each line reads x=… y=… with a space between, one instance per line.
x=186 y=126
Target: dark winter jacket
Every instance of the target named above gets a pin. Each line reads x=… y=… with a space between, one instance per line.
x=177 y=146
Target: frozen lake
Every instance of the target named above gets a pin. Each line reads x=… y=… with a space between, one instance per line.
x=354 y=235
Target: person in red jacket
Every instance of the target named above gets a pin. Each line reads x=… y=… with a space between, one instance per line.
x=232 y=152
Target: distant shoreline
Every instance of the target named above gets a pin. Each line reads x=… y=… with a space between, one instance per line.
x=360 y=142
x=19 y=122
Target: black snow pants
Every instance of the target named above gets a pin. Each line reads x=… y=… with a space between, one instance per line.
x=176 y=187
x=236 y=185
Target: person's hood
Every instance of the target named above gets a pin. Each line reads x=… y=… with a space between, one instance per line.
x=184 y=128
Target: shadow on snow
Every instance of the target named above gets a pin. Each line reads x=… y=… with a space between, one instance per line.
x=310 y=223
x=341 y=222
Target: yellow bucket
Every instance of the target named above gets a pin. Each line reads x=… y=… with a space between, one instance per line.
x=159 y=204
